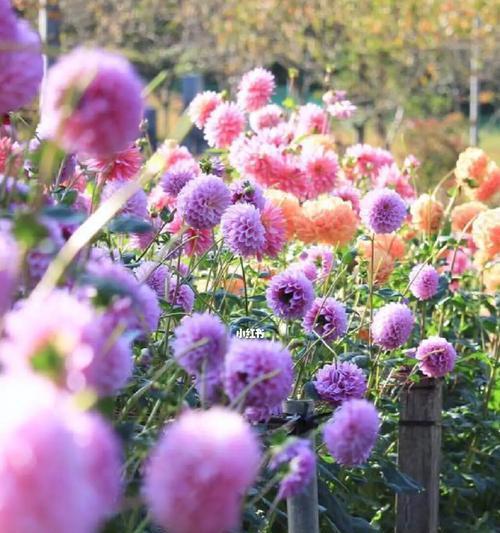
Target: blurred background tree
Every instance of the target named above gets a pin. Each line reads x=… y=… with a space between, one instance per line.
x=399 y=61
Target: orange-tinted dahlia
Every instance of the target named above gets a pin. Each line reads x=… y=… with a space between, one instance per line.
x=290 y=207
x=462 y=216
x=478 y=175
x=486 y=233
x=327 y=220
x=427 y=213
x=383 y=262
x=391 y=244
x=234 y=286
x=491 y=278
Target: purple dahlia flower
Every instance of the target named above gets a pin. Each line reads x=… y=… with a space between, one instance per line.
x=243 y=230
x=290 y=294
x=248 y=192
x=436 y=357
x=424 y=281
x=327 y=318
x=352 y=432
x=177 y=176
x=339 y=382
x=392 y=325
x=383 y=211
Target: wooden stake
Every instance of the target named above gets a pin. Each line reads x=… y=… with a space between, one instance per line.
x=303 y=513
x=419 y=456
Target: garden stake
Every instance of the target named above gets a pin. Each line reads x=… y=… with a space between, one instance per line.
x=303 y=508
x=419 y=456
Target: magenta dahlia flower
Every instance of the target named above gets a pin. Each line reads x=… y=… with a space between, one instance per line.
x=92 y=103
x=311 y=119
x=199 y=471
x=202 y=106
x=322 y=167
x=21 y=63
x=290 y=294
x=392 y=325
x=300 y=461
x=199 y=346
x=203 y=200
x=259 y=371
x=242 y=229
x=339 y=382
x=224 y=125
x=383 y=211
x=352 y=432
x=55 y=478
x=436 y=357
x=177 y=176
x=327 y=318
x=255 y=89
x=246 y=191
x=424 y=281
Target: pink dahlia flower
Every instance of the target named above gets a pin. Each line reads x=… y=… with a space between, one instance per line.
x=21 y=64
x=243 y=230
x=92 y=103
x=255 y=89
x=198 y=473
x=264 y=370
x=224 y=125
x=122 y=166
x=194 y=241
x=321 y=167
x=268 y=116
x=274 y=223
x=202 y=107
x=436 y=357
x=349 y=194
x=311 y=118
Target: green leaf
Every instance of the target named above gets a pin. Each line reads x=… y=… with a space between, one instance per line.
x=28 y=230
x=397 y=481
x=65 y=214
x=129 y=224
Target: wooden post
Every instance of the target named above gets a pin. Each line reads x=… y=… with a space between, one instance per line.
x=419 y=456
x=303 y=513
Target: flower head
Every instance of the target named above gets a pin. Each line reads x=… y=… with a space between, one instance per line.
x=462 y=216
x=202 y=106
x=424 y=281
x=349 y=194
x=199 y=471
x=21 y=62
x=92 y=103
x=327 y=318
x=352 y=432
x=263 y=370
x=321 y=166
x=436 y=357
x=290 y=294
x=319 y=260
x=427 y=213
x=136 y=205
x=248 y=192
x=392 y=325
x=255 y=89
x=121 y=166
x=383 y=211
x=486 y=233
x=177 y=176
x=298 y=456
x=203 y=200
x=194 y=241
x=224 y=125
x=243 y=230
x=268 y=116
x=339 y=382
x=311 y=118
x=274 y=223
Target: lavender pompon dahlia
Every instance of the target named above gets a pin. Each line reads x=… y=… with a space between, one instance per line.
x=301 y=462
x=392 y=325
x=264 y=368
x=177 y=176
x=290 y=294
x=242 y=229
x=21 y=63
x=436 y=357
x=92 y=103
x=383 y=211
x=339 y=382
x=155 y=275
x=200 y=470
x=136 y=206
x=202 y=201
x=352 y=432
x=424 y=281
x=327 y=318
x=248 y=192
x=199 y=346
